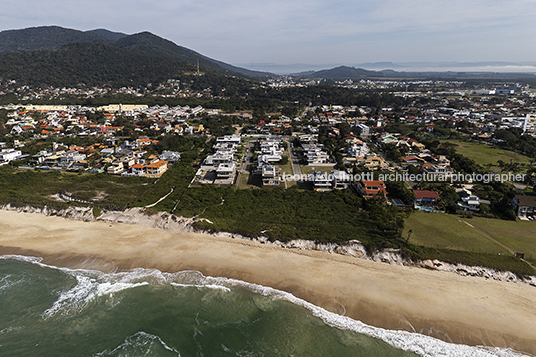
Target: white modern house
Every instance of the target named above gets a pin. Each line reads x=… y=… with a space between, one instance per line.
x=170 y=156
x=524 y=206
x=270 y=176
x=7 y=155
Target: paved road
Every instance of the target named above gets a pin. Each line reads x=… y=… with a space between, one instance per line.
x=246 y=162
x=293 y=159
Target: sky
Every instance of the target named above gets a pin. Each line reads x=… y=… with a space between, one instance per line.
x=313 y=33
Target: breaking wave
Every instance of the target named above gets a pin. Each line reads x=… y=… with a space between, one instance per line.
x=91 y=285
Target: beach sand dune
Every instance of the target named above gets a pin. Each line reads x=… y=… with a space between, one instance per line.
x=454 y=308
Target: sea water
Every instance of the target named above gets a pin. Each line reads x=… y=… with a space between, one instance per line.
x=50 y=311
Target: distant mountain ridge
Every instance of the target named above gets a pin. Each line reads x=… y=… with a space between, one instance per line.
x=343 y=73
x=107 y=34
x=44 y=38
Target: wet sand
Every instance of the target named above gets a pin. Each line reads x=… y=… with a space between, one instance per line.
x=457 y=309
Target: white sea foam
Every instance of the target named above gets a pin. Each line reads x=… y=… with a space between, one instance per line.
x=6 y=282
x=23 y=258
x=88 y=288
x=9 y=281
x=409 y=341
x=92 y=284
x=10 y=329
x=140 y=343
x=200 y=286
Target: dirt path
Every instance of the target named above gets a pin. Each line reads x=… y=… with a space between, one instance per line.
x=483 y=233
x=161 y=199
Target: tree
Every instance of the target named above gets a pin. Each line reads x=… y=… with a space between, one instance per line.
x=284 y=160
x=344 y=129
x=410 y=232
x=259 y=114
x=397 y=189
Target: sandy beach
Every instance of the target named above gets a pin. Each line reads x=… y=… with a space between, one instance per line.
x=454 y=308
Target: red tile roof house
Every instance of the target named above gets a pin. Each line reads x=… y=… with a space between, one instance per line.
x=371 y=189
x=425 y=198
x=138 y=169
x=156 y=169
x=144 y=141
x=412 y=159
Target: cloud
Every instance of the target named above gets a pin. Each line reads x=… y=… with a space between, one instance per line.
x=318 y=31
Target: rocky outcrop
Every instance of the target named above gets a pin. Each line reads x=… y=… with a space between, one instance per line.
x=352 y=248
x=84 y=214
x=477 y=271
x=137 y=216
x=391 y=256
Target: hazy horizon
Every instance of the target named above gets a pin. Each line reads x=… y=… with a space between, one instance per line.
x=292 y=68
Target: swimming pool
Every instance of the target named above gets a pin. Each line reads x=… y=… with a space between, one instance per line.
x=424 y=208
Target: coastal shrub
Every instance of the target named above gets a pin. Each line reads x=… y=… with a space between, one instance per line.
x=96 y=211
x=294 y=214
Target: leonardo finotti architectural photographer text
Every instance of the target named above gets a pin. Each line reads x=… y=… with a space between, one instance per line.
x=424 y=177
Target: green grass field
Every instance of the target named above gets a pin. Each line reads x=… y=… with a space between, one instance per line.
x=306 y=169
x=287 y=168
x=243 y=181
x=485 y=154
x=480 y=235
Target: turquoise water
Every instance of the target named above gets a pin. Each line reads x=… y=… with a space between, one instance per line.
x=49 y=311
x=422 y=208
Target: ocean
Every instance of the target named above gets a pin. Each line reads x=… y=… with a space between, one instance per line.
x=51 y=311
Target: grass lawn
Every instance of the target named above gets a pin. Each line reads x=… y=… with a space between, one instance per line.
x=287 y=168
x=485 y=154
x=243 y=181
x=306 y=170
x=289 y=184
x=483 y=235
x=520 y=236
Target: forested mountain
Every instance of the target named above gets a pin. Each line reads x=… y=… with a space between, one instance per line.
x=89 y=64
x=57 y=56
x=101 y=64
x=149 y=44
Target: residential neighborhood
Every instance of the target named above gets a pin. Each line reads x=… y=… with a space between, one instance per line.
x=327 y=143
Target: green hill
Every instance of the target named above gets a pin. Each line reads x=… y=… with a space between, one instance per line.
x=89 y=64
x=100 y=64
x=151 y=45
x=57 y=56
